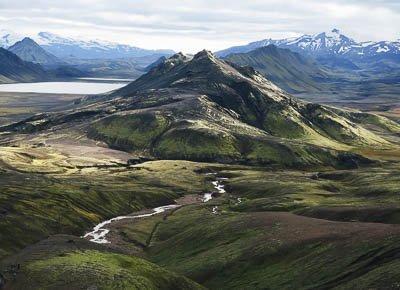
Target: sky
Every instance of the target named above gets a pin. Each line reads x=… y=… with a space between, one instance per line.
x=192 y=25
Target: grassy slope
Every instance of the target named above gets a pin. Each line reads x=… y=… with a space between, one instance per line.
x=65 y=262
x=71 y=203
x=130 y=132
x=274 y=250
x=225 y=140
x=243 y=247
x=105 y=270
x=257 y=244
x=369 y=194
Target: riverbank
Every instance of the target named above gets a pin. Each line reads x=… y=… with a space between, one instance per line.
x=99 y=233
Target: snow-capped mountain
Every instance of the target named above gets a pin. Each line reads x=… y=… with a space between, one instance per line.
x=331 y=43
x=66 y=47
x=28 y=50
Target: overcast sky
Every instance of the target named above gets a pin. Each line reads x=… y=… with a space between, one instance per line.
x=191 y=25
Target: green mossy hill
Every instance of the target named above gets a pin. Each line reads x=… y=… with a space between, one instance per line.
x=130 y=132
x=225 y=141
x=254 y=100
x=375 y=121
x=67 y=262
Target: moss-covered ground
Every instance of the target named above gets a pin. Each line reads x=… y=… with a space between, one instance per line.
x=35 y=205
x=275 y=250
x=67 y=262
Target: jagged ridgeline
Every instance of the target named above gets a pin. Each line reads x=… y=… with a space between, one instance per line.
x=207 y=109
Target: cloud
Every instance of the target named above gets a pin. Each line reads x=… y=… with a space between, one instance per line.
x=191 y=25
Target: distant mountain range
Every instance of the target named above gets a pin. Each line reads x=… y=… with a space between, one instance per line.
x=348 y=68
x=332 y=43
x=66 y=47
x=325 y=62
x=14 y=69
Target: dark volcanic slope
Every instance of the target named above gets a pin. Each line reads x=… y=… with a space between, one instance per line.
x=14 y=69
x=29 y=50
x=289 y=70
x=248 y=96
x=209 y=110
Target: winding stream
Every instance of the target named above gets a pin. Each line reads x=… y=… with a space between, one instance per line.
x=99 y=232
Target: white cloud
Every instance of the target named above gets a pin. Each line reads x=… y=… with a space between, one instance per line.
x=191 y=25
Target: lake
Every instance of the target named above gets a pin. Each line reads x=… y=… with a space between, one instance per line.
x=81 y=88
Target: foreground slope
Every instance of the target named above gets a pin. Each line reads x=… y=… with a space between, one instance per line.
x=276 y=250
x=67 y=262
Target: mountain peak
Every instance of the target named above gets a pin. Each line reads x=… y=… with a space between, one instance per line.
x=204 y=53
x=205 y=57
x=204 y=73
x=29 y=41
x=177 y=58
x=332 y=42
x=28 y=50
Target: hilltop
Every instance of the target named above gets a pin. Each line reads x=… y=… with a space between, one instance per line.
x=28 y=50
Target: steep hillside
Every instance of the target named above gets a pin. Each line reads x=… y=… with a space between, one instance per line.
x=289 y=70
x=29 y=50
x=14 y=69
x=252 y=99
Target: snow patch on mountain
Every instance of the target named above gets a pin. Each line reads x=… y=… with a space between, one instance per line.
x=67 y=47
x=325 y=43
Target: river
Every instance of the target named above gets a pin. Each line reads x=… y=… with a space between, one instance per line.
x=100 y=231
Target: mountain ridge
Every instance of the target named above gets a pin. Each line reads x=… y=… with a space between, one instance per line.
x=68 y=47
x=332 y=43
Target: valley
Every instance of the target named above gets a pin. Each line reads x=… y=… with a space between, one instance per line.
x=200 y=173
